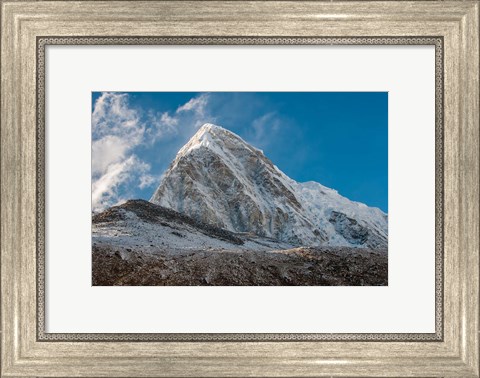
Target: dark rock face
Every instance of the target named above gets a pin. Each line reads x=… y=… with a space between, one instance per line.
x=349 y=228
x=354 y=232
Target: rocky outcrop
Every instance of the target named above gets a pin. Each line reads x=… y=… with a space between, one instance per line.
x=355 y=233
x=158 y=215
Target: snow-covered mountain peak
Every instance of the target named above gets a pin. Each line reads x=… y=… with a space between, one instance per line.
x=209 y=130
x=215 y=138
x=220 y=179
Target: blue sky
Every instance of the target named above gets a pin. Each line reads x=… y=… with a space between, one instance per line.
x=339 y=139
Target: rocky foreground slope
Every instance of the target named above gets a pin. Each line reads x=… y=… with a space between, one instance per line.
x=221 y=180
x=140 y=243
x=321 y=266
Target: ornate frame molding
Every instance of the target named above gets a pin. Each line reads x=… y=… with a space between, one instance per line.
x=28 y=25
x=42 y=42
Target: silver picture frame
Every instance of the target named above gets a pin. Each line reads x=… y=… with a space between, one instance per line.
x=450 y=26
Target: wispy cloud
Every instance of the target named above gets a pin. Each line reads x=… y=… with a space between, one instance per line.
x=160 y=125
x=105 y=190
x=263 y=128
x=146 y=181
x=197 y=105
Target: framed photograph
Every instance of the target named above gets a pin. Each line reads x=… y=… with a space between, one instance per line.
x=229 y=188
x=222 y=212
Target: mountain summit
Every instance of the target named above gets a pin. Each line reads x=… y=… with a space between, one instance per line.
x=218 y=178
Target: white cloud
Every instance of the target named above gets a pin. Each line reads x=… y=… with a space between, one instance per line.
x=161 y=125
x=113 y=116
x=108 y=150
x=105 y=188
x=167 y=120
x=197 y=104
x=116 y=131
